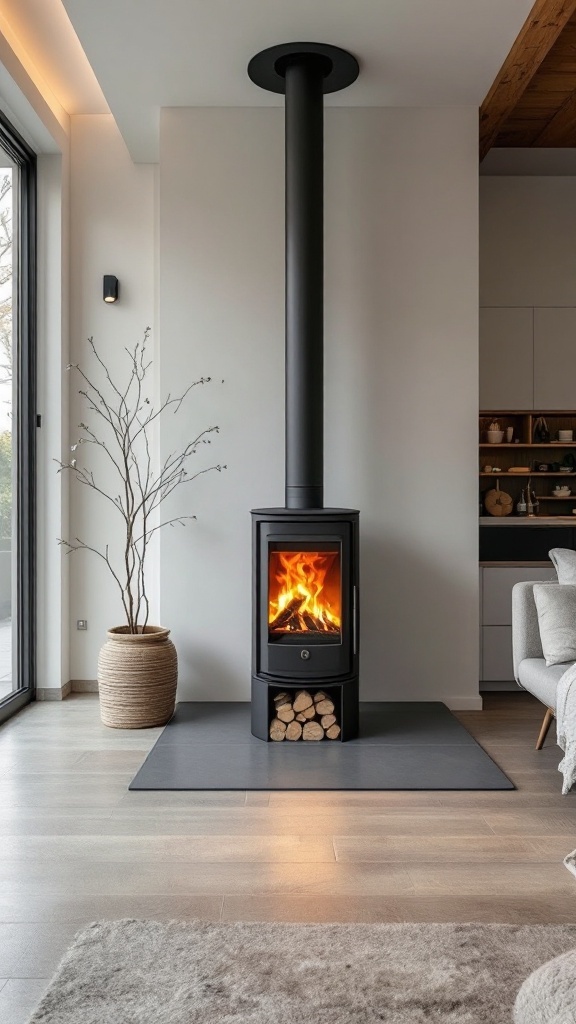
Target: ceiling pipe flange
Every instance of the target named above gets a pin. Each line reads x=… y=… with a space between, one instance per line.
x=268 y=68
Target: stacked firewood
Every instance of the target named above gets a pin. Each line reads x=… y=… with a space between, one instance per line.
x=305 y=717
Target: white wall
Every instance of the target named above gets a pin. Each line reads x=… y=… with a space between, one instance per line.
x=401 y=382
x=113 y=231
x=528 y=241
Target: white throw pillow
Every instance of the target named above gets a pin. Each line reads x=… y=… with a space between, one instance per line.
x=556 y=607
x=564 y=561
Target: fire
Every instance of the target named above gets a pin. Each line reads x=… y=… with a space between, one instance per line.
x=298 y=600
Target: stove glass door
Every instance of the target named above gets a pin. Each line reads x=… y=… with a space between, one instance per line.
x=305 y=592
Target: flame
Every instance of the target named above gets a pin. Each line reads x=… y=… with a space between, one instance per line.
x=298 y=599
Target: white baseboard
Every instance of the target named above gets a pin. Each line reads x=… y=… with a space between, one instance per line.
x=91 y=686
x=464 y=703
x=53 y=692
x=84 y=685
x=501 y=686
x=72 y=686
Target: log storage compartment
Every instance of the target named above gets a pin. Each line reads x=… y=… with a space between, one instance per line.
x=304 y=715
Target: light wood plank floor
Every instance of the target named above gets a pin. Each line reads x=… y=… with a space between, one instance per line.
x=76 y=846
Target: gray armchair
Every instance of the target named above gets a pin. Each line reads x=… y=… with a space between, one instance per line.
x=530 y=669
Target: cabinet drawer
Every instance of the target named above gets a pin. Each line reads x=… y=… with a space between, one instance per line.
x=497 y=665
x=554 y=355
x=497 y=591
x=506 y=358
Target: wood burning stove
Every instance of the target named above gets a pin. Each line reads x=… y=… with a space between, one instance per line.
x=305 y=601
x=305 y=557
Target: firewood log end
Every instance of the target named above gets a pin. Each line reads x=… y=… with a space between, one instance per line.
x=327 y=720
x=302 y=701
x=294 y=731
x=277 y=730
x=312 y=731
x=325 y=707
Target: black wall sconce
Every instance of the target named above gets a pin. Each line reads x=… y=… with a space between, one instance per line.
x=110 y=288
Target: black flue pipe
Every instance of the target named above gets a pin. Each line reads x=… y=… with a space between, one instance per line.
x=304 y=72
x=304 y=129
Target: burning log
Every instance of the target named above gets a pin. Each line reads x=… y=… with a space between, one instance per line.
x=290 y=612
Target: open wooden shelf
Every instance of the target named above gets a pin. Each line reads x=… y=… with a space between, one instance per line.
x=521 y=444
x=516 y=453
x=532 y=472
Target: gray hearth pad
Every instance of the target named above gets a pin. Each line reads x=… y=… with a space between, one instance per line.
x=402 y=746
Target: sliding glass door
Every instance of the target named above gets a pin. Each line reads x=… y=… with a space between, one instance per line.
x=18 y=422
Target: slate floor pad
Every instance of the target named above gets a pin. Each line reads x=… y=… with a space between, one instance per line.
x=401 y=746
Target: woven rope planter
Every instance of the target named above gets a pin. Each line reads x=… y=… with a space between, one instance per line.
x=137 y=676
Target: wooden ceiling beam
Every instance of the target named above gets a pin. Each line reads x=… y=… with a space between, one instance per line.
x=561 y=128
x=537 y=36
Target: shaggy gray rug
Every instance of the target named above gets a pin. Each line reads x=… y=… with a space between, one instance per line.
x=146 y=972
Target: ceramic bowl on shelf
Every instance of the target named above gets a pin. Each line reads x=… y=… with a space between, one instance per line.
x=561 y=492
x=494 y=436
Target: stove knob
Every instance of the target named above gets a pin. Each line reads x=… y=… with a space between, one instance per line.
x=305 y=655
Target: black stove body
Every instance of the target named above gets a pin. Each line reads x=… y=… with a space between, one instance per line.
x=305 y=556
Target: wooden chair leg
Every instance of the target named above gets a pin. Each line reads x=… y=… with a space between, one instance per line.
x=548 y=718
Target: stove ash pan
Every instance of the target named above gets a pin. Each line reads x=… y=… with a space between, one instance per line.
x=305 y=611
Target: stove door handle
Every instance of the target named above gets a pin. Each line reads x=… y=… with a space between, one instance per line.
x=354 y=619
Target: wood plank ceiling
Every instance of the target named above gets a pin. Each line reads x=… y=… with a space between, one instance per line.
x=532 y=101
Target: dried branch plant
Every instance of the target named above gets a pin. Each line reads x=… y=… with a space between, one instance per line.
x=123 y=419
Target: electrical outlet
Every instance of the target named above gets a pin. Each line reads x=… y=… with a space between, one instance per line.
x=81 y=623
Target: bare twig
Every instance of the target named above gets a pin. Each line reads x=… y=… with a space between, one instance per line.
x=125 y=415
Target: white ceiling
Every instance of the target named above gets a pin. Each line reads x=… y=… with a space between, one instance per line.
x=148 y=54
x=44 y=30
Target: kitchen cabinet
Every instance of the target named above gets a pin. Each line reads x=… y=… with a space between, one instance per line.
x=497 y=665
x=496 y=616
x=497 y=586
x=554 y=358
x=506 y=358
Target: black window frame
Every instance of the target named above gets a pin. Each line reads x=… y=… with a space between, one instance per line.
x=25 y=370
